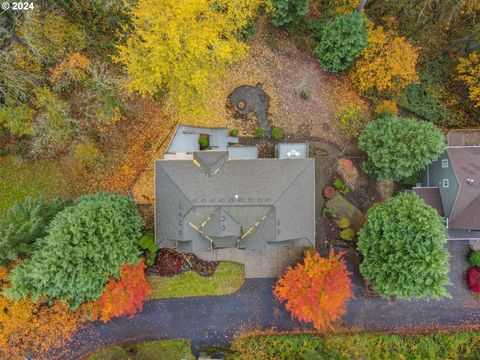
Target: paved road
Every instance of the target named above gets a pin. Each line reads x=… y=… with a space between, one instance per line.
x=215 y=320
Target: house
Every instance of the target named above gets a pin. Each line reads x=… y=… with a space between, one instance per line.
x=210 y=201
x=451 y=184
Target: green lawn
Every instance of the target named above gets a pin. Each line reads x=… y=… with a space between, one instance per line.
x=363 y=346
x=19 y=179
x=227 y=279
x=162 y=349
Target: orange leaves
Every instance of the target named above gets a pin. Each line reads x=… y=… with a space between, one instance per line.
x=29 y=328
x=387 y=65
x=126 y=295
x=74 y=67
x=317 y=290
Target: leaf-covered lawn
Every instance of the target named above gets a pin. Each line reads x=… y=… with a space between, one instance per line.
x=162 y=349
x=227 y=279
x=20 y=178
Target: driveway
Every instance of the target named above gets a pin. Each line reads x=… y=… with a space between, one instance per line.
x=215 y=320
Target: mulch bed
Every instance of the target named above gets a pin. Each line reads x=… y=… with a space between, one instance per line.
x=170 y=262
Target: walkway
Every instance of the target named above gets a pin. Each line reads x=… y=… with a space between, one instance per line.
x=215 y=320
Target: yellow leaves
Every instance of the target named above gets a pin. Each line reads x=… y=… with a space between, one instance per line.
x=386 y=107
x=469 y=72
x=50 y=35
x=388 y=65
x=341 y=7
x=180 y=46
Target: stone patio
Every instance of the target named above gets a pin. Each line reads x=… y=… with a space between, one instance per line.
x=269 y=263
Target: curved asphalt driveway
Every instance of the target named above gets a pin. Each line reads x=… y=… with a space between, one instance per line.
x=215 y=320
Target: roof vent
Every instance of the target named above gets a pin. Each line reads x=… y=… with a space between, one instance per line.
x=470 y=181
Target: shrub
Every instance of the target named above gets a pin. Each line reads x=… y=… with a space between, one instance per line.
x=248 y=32
x=340 y=187
x=402 y=244
x=85 y=244
x=387 y=66
x=343 y=223
x=147 y=243
x=343 y=39
x=287 y=13
x=234 y=132
x=329 y=192
x=23 y=224
x=474 y=258
x=352 y=121
x=124 y=296
x=329 y=213
x=348 y=171
x=400 y=147
x=359 y=346
x=474 y=279
x=203 y=141
x=86 y=155
x=18 y=119
x=386 y=107
x=259 y=133
x=304 y=95
x=347 y=234
x=277 y=133
x=307 y=291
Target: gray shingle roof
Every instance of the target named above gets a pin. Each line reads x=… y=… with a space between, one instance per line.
x=271 y=200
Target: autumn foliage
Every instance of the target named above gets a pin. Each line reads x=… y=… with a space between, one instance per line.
x=348 y=171
x=124 y=296
x=28 y=328
x=388 y=65
x=469 y=70
x=317 y=290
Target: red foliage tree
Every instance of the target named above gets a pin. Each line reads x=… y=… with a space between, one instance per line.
x=474 y=279
x=316 y=291
x=329 y=192
x=124 y=296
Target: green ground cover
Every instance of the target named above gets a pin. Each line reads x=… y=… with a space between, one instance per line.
x=460 y=346
x=20 y=178
x=227 y=279
x=162 y=349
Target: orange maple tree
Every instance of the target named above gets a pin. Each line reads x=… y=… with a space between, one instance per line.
x=317 y=290
x=28 y=328
x=124 y=296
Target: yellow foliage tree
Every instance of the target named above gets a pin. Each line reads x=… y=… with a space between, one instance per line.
x=388 y=65
x=469 y=70
x=340 y=7
x=180 y=46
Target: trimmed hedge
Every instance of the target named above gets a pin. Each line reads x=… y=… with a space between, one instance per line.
x=464 y=346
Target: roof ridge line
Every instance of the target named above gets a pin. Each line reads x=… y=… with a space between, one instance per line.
x=295 y=179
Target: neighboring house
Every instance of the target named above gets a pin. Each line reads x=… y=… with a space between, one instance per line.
x=215 y=201
x=451 y=185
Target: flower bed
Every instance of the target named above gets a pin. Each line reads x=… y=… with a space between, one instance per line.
x=170 y=262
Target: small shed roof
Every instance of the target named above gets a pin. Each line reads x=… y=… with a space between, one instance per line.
x=292 y=151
